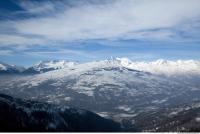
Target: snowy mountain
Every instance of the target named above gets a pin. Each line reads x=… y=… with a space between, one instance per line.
x=158 y=67
x=10 y=69
x=119 y=88
x=45 y=66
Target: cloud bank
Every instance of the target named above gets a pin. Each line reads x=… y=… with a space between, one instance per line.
x=56 y=21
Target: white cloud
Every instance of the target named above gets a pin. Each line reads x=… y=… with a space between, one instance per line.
x=36 y=7
x=120 y=19
x=59 y=52
x=20 y=42
x=5 y=52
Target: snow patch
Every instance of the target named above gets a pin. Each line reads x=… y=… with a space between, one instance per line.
x=67 y=98
x=103 y=114
x=124 y=108
x=3 y=67
x=197 y=119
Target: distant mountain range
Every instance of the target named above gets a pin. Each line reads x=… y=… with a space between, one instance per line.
x=160 y=66
x=41 y=67
x=10 y=69
x=45 y=66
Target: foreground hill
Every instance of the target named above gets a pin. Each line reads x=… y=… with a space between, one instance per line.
x=179 y=118
x=22 y=115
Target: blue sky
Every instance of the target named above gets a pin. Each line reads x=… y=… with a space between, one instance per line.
x=86 y=30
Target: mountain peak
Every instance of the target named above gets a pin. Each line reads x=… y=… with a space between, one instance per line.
x=44 y=66
x=6 y=68
x=161 y=62
x=124 y=61
x=3 y=66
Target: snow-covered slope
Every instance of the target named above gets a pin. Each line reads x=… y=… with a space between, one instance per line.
x=119 y=74
x=45 y=66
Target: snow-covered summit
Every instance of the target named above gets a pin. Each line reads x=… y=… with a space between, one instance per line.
x=3 y=66
x=6 y=68
x=56 y=64
x=44 y=66
x=161 y=66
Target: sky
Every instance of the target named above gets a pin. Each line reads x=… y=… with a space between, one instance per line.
x=87 y=30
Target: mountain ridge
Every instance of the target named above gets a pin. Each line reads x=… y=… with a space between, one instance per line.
x=49 y=65
x=160 y=66
x=6 y=68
